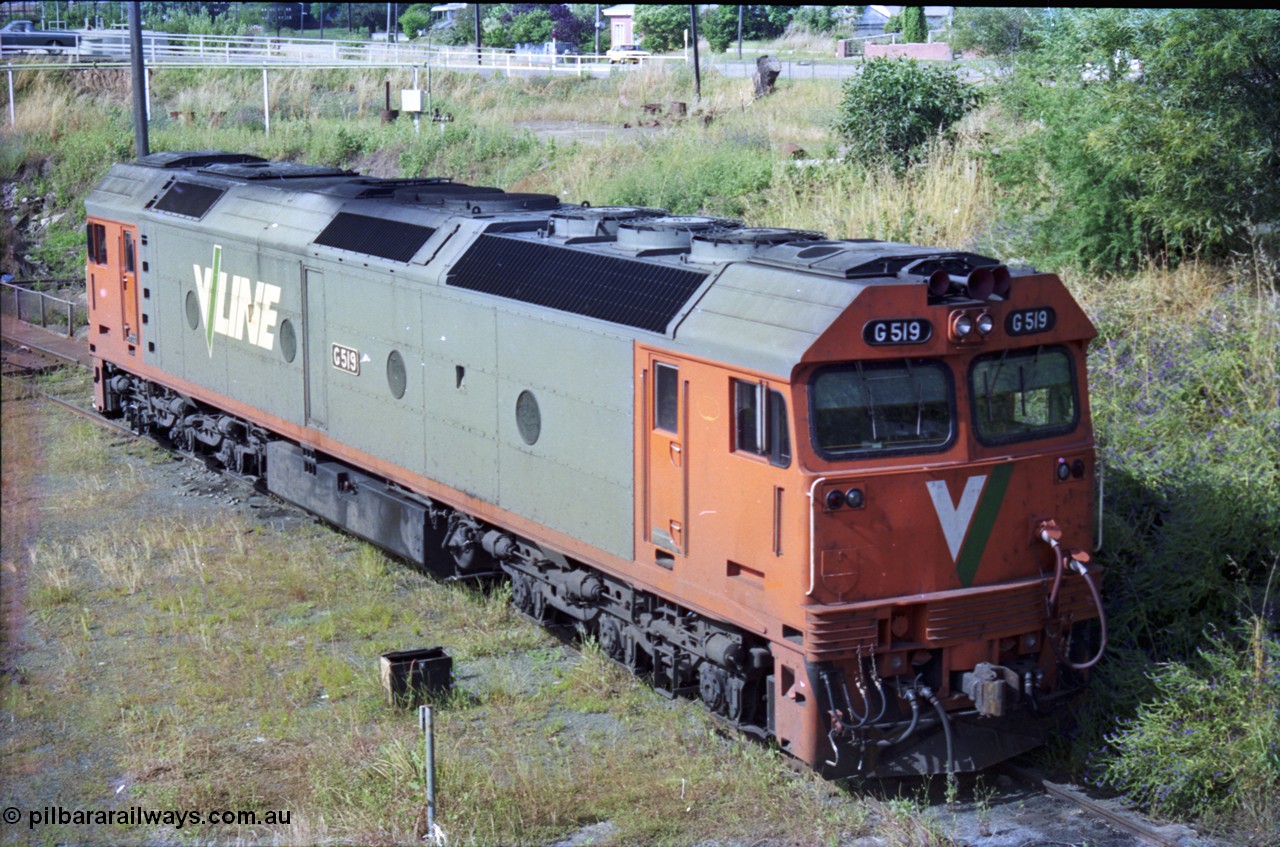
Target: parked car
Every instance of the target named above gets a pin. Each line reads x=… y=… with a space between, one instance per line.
x=626 y=54
x=24 y=35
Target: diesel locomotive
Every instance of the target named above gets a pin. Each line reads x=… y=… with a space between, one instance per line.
x=841 y=490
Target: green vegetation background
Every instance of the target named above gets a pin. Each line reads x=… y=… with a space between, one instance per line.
x=1134 y=152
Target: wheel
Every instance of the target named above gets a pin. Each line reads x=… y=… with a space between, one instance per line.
x=611 y=638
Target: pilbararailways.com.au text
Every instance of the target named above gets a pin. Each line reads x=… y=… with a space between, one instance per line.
x=138 y=816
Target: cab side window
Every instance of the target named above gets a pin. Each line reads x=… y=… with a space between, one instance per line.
x=96 y=236
x=666 y=398
x=760 y=422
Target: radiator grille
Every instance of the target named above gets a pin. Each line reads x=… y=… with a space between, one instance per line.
x=189 y=199
x=622 y=291
x=395 y=240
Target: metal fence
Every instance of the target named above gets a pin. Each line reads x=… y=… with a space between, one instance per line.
x=25 y=302
x=112 y=47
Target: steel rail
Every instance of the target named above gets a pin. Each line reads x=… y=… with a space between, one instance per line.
x=1165 y=836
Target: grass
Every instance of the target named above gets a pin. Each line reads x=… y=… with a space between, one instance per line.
x=227 y=663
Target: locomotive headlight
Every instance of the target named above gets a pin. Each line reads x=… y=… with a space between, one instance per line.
x=1063 y=470
x=963 y=326
x=986 y=323
x=853 y=497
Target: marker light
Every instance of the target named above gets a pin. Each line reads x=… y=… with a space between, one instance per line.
x=1077 y=468
x=835 y=499
x=985 y=323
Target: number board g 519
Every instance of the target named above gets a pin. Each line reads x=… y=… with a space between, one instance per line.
x=346 y=359
x=881 y=333
x=1030 y=321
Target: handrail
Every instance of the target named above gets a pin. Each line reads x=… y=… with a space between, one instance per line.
x=236 y=50
x=27 y=304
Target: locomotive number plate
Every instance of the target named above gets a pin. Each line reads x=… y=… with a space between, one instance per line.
x=897 y=331
x=346 y=359
x=1030 y=321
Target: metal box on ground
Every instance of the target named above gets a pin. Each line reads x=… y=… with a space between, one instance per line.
x=409 y=675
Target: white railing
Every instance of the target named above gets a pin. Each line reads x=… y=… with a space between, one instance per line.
x=111 y=46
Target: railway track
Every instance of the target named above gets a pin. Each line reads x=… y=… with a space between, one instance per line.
x=1144 y=831
x=34 y=368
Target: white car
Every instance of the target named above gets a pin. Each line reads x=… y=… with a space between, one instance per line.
x=626 y=53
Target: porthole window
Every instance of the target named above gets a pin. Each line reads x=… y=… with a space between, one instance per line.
x=288 y=340
x=396 y=379
x=528 y=417
x=193 y=310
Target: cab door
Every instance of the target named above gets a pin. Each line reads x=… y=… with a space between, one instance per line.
x=129 y=285
x=666 y=459
x=112 y=276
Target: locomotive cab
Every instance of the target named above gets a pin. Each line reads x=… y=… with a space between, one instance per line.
x=949 y=472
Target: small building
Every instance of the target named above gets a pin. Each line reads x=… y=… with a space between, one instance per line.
x=445 y=15
x=621 y=23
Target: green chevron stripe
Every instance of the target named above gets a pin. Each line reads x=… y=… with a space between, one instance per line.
x=984 y=519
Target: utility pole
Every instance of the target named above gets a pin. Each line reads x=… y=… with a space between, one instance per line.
x=697 y=71
x=139 y=70
x=479 y=40
x=739 y=33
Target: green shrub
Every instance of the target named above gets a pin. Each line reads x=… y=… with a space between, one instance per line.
x=1154 y=134
x=995 y=31
x=894 y=106
x=662 y=27
x=1207 y=746
x=915 y=28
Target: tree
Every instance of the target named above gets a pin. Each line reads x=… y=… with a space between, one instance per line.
x=894 y=106
x=720 y=27
x=915 y=28
x=416 y=20
x=1158 y=133
x=529 y=26
x=662 y=27
x=995 y=31
x=569 y=27
x=816 y=18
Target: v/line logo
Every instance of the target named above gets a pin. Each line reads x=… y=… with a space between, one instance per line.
x=234 y=306
x=967 y=525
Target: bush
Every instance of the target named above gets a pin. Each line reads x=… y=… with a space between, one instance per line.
x=915 y=28
x=894 y=106
x=1156 y=134
x=995 y=31
x=1208 y=746
x=662 y=27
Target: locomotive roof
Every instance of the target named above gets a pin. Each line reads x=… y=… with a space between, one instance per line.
x=756 y=297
